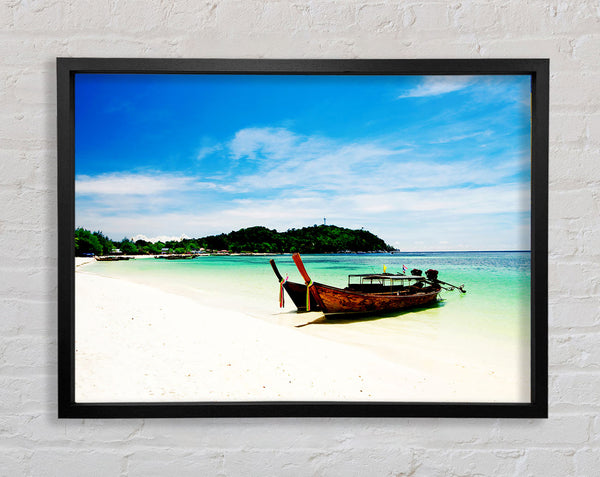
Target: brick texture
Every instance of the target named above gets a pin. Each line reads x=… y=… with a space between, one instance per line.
x=33 y=34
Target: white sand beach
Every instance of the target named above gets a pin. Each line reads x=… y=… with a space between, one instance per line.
x=138 y=343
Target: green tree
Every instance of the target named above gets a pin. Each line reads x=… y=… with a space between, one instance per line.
x=86 y=242
x=315 y=239
x=105 y=242
x=128 y=247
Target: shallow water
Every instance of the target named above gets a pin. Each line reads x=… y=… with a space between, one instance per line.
x=497 y=283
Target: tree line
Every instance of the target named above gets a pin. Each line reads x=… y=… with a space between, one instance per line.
x=315 y=239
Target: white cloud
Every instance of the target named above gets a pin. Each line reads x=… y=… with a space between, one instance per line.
x=307 y=163
x=327 y=166
x=130 y=184
x=465 y=218
x=208 y=150
x=250 y=142
x=504 y=198
x=298 y=180
x=461 y=137
x=159 y=238
x=125 y=223
x=436 y=85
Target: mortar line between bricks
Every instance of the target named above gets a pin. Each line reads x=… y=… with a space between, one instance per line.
x=574 y=331
x=571 y=370
x=30 y=336
x=493 y=446
x=29 y=300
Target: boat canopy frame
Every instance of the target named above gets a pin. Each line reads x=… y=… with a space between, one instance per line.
x=384 y=279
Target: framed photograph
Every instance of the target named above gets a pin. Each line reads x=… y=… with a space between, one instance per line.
x=302 y=238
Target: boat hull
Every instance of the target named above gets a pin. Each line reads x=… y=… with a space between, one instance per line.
x=338 y=301
x=112 y=258
x=297 y=292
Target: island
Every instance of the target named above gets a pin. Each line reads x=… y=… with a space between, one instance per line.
x=258 y=239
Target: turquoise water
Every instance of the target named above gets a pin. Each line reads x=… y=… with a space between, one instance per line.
x=497 y=283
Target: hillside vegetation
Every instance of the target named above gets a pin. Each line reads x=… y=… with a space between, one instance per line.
x=315 y=239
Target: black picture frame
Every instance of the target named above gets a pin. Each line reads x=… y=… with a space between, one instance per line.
x=539 y=71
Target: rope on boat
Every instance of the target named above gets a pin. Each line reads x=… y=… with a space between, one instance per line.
x=308 y=285
x=281 y=294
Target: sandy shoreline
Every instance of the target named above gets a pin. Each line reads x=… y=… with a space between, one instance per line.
x=138 y=343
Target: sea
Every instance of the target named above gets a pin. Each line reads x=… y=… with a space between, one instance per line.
x=497 y=284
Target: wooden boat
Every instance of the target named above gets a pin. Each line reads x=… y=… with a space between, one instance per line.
x=296 y=291
x=178 y=256
x=113 y=258
x=372 y=293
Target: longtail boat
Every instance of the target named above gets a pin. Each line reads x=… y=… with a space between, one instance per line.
x=296 y=291
x=113 y=258
x=374 y=293
x=176 y=256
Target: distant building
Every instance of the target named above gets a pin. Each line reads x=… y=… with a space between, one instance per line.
x=164 y=250
x=116 y=251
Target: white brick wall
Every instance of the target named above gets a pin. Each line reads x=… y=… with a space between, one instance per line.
x=33 y=33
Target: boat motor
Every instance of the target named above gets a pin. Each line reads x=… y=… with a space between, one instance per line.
x=416 y=272
x=432 y=275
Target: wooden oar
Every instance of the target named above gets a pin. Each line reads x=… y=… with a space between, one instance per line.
x=307 y=280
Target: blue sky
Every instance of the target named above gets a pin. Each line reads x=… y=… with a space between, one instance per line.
x=426 y=163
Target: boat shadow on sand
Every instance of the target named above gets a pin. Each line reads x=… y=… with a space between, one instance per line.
x=338 y=319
